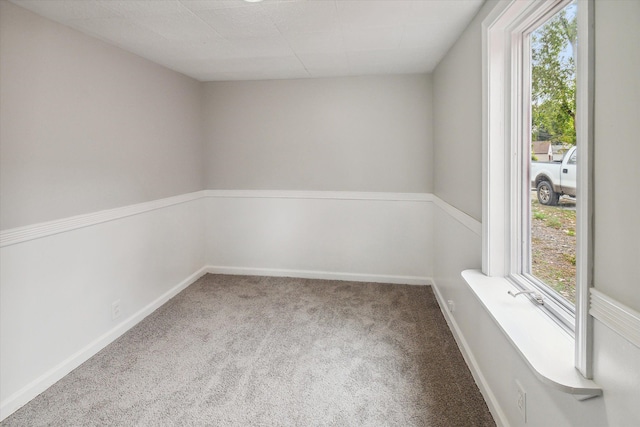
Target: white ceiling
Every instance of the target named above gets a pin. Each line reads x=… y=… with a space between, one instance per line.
x=275 y=39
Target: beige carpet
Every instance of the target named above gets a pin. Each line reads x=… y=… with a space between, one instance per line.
x=258 y=351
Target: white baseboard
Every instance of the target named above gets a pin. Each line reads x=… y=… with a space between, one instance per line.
x=31 y=390
x=492 y=402
x=323 y=275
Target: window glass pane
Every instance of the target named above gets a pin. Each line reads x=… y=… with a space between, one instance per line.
x=553 y=153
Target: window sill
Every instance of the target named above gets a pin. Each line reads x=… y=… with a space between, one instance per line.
x=544 y=345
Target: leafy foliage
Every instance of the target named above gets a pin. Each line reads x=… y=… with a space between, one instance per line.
x=553 y=78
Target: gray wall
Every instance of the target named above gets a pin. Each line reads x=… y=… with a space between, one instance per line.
x=348 y=134
x=457 y=147
x=86 y=126
x=617 y=195
x=617 y=150
x=457 y=114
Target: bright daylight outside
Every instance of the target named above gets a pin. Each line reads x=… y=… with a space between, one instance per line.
x=553 y=152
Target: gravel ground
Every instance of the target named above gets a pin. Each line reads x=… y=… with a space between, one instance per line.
x=553 y=244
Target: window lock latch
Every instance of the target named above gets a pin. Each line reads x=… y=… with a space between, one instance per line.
x=536 y=296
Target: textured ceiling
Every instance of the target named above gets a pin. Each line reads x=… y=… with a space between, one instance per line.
x=275 y=39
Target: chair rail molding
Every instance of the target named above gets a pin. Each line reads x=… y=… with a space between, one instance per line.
x=17 y=235
x=623 y=320
x=26 y=233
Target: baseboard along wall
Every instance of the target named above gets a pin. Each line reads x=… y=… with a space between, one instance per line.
x=482 y=383
x=321 y=275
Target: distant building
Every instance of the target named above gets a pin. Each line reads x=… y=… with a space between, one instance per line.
x=542 y=150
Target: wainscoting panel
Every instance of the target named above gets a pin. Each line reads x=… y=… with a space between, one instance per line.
x=349 y=235
x=57 y=290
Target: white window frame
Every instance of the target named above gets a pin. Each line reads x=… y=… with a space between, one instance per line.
x=506 y=228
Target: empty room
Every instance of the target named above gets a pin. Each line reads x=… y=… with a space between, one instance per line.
x=319 y=212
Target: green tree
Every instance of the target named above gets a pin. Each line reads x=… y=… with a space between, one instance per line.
x=553 y=78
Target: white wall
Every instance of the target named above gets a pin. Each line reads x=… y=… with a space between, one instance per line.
x=56 y=292
x=86 y=126
x=617 y=362
x=337 y=134
x=349 y=135
x=378 y=237
x=352 y=134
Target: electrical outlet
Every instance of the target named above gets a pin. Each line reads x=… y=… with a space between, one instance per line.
x=452 y=306
x=115 y=309
x=521 y=401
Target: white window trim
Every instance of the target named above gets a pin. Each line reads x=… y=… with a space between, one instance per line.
x=585 y=107
x=502 y=36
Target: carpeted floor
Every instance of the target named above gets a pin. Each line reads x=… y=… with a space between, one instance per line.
x=261 y=351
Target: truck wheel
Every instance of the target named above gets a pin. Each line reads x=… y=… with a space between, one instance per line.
x=546 y=195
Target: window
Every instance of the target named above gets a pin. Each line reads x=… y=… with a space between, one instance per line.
x=548 y=244
x=507 y=186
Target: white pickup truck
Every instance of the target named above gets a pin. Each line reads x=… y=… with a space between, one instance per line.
x=553 y=179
